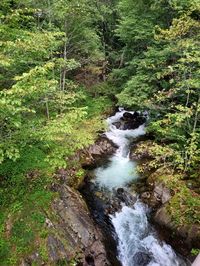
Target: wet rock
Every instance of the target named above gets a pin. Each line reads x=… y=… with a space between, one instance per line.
x=132 y=121
x=145 y=195
x=156 y=195
x=117 y=124
x=128 y=116
x=77 y=227
x=135 y=115
x=102 y=148
x=190 y=234
x=141 y=259
x=161 y=192
x=113 y=203
x=120 y=191
x=125 y=197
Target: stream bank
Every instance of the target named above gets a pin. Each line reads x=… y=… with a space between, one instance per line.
x=168 y=196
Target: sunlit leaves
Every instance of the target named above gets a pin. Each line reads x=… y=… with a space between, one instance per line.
x=165 y=74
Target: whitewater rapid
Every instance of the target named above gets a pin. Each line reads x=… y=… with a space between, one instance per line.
x=138 y=242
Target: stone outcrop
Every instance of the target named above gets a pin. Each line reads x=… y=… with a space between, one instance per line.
x=76 y=225
x=156 y=195
x=190 y=234
x=161 y=192
x=102 y=148
x=73 y=235
x=142 y=259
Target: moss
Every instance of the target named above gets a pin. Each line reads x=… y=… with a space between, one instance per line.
x=43 y=252
x=195 y=251
x=77 y=178
x=184 y=206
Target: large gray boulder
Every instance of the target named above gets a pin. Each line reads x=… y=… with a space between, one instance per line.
x=190 y=234
x=77 y=227
x=72 y=234
x=102 y=148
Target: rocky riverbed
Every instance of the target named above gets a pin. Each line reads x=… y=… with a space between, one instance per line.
x=114 y=204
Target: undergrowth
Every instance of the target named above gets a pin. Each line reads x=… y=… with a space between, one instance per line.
x=25 y=195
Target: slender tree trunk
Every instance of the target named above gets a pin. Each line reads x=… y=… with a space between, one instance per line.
x=47 y=109
x=196 y=115
x=49 y=12
x=64 y=70
x=122 y=59
x=60 y=78
x=188 y=161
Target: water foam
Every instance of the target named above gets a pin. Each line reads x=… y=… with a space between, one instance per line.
x=119 y=172
x=135 y=236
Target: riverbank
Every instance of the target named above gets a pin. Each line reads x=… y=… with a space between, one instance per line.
x=33 y=230
x=174 y=201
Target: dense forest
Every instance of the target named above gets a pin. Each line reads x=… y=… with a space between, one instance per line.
x=64 y=66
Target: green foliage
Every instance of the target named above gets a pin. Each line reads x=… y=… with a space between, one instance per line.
x=160 y=74
x=45 y=116
x=163 y=77
x=195 y=252
x=183 y=207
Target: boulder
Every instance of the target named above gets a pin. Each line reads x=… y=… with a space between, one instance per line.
x=141 y=259
x=136 y=115
x=128 y=116
x=145 y=195
x=190 y=234
x=162 y=218
x=161 y=192
x=77 y=227
x=117 y=124
x=72 y=234
x=102 y=148
x=132 y=121
x=126 y=197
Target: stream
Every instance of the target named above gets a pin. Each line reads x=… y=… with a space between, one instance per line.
x=130 y=239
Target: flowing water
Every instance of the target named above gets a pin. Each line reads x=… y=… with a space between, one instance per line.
x=138 y=244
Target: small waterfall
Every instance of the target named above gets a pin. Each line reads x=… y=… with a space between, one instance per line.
x=138 y=242
x=120 y=170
